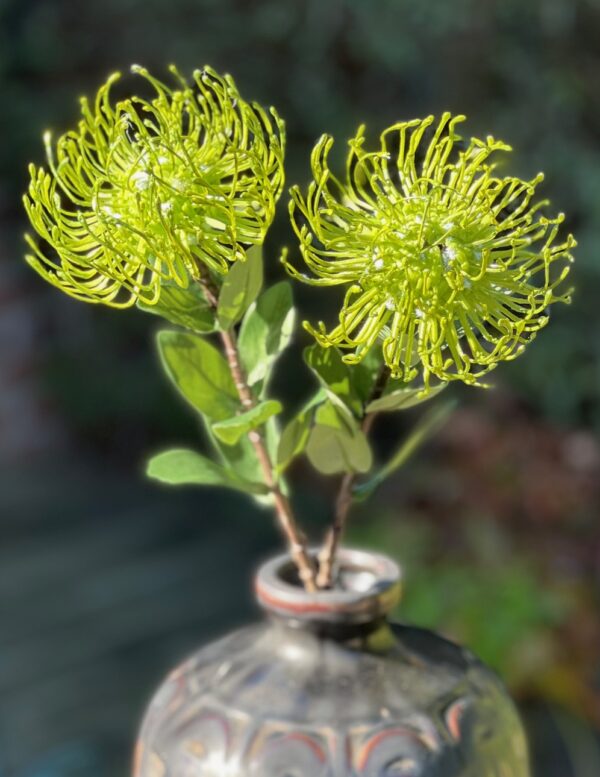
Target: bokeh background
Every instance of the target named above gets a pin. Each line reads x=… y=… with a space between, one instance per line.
x=105 y=580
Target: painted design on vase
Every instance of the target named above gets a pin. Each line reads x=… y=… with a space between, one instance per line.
x=287 y=698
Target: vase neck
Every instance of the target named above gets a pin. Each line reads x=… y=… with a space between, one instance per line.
x=368 y=587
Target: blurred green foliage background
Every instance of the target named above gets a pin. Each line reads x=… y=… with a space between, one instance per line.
x=497 y=521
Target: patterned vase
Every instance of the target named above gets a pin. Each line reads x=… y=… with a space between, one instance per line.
x=326 y=686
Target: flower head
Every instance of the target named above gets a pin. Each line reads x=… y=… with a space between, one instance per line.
x=451 y=267
x=145 y=190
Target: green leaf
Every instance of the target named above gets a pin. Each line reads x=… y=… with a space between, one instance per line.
x=336 y=443
x=365 y=373
x=402 y=399
x=293 y=439
x=266 y=330
x=272 y=436
x=241 y=458
x=232 y=429
x=296 y=433
x=185 y=307
x=425 y=428
x=240 y=288
x=338 y=379
x=186 y=467
x=200 y=373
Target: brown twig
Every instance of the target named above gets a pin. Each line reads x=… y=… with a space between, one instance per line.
x=343 y=500
x=283 y=508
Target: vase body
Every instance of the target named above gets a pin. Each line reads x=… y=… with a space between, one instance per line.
x=327 y=687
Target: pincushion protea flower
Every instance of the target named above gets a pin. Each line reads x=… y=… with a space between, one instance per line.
x=146 y=190
x=451 y=266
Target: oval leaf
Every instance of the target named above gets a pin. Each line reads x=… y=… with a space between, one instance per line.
x=336 y=444
x=403 y=399
x=295 y=435
x=186 y=467
x=334 y=375
x=200 y=373
x=185 y=307
x=240 y=458
x=293 y=439
x=232 y=429
x=240 y=288
x=266 y=330
x=346 y=385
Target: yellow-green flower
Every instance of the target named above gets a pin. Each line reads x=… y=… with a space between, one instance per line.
x=450 y=266
x=145 y=190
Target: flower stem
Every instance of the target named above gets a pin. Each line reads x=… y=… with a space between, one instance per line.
x=285 y=516
x=343 y=501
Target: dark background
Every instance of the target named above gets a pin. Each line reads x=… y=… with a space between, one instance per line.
x=105 y=580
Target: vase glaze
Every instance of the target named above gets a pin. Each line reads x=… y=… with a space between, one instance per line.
x=326 y=686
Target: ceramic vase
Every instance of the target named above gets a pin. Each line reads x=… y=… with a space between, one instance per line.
x=326 y=686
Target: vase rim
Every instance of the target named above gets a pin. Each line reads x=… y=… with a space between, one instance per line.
x=370 y=587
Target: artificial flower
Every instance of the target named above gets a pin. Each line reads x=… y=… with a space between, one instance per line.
x=149 y=190
x=449 y=268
